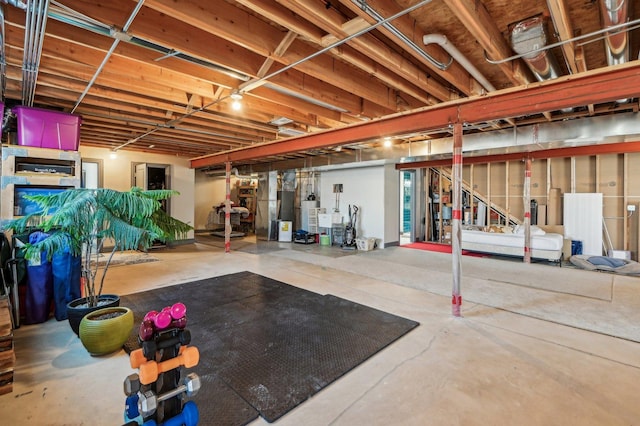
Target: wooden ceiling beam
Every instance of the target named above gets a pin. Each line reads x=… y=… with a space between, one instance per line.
x=455 y=74
x=475 y=17
x=564 y=29
x=119 y=99
x=239 y=27
x=194 y=42
x=365 y=52
x=126 y=103
x=149 y=81
x=562 y=23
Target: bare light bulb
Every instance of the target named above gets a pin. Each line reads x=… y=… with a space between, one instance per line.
x=236 y=105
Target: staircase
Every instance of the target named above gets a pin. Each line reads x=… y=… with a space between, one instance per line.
x=502 y=213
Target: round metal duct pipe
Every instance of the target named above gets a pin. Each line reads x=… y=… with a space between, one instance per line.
x=614 y=12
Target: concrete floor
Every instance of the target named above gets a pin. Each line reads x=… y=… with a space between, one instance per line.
x=537 y=344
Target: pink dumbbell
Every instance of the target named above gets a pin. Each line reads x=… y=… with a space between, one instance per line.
x=178 y=310
x=161 y=320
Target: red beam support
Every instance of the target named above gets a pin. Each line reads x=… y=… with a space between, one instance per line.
x=597 y=86
x=526 y=196
x=456 y=216
x=227 y=209
x=609 y=148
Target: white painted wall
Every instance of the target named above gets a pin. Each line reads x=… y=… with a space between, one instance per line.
x=366 y=188
x=375 y=190
x=117 y=175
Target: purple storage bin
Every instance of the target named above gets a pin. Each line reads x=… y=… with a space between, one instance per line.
x=47 y=129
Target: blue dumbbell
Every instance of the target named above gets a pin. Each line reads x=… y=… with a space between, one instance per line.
x=131 y=413
x=188 y=417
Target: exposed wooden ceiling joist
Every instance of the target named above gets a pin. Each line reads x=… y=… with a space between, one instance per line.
x=178 y=62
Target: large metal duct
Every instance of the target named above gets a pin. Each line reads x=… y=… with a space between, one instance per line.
x=614 y=12
x=527 y=38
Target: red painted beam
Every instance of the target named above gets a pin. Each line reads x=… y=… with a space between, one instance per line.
x=575 y=151
x=389 y=126
x=598 y=86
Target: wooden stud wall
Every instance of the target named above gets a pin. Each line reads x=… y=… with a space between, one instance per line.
x=614 y=175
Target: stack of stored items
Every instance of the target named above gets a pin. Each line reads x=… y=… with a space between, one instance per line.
x=304 y=237
x=7 y=355
x=158 y=392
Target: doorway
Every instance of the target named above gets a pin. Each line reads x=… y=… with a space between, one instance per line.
x=153 y=176
x=91 y=173
x=412 y=206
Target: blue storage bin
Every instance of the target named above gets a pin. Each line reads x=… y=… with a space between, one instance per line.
x=576 y=247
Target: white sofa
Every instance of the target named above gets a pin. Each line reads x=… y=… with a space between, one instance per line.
x=546 y=246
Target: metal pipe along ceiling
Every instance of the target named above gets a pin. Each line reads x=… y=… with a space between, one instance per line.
x=252 y=84
x=34 y=31
x=459 y=57
x=68 y=16
x=362 y=4
x=614 y=12
x=109 y=53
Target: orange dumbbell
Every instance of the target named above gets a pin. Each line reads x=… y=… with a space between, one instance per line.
x=150 y=370
x=137 y=358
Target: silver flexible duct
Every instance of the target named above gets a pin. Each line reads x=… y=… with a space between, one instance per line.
x=614 y=12
x=526 y=37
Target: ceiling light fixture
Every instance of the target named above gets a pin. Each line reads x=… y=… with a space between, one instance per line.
x=113 y=155
x=387 y=142
x=236 y=96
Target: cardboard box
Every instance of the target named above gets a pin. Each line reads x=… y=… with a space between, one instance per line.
x=446 y=235
x=366 y=244
x=619 y=254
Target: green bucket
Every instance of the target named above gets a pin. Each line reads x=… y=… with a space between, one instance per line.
x=325 y=240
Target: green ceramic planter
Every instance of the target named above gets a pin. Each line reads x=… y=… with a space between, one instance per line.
x=104 y=331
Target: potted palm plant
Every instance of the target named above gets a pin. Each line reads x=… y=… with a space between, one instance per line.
x=82 y=221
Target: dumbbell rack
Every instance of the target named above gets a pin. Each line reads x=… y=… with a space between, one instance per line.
x=164 y=353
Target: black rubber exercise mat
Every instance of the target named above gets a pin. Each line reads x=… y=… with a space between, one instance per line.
x=266 y=346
